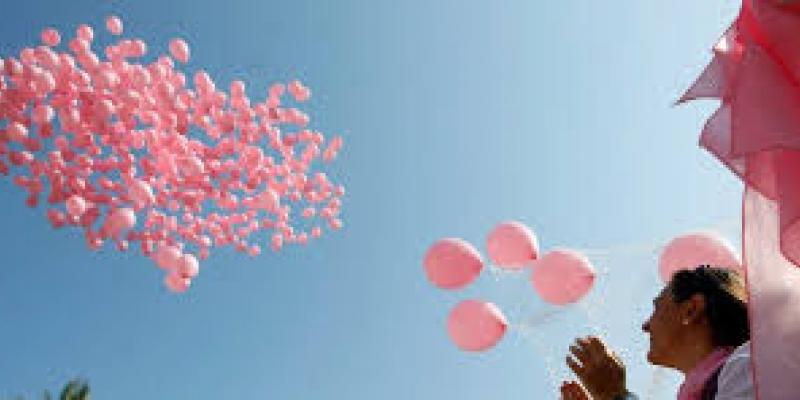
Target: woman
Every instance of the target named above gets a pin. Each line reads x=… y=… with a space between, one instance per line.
x=699 y=326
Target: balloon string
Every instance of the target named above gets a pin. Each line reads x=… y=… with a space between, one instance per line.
x=655 y=246
x=539 y=318
x=546 y=356
x=652 y=248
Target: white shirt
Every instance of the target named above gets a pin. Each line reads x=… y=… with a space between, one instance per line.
x=735 y=380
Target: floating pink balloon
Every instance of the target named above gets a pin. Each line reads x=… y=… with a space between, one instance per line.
x=17 y=132
x=180 y=50
x=562 y=276
x=76 y=206
x=452 y=263
x=121 y=220
x=167 y=257
x=42 y=114
x=695 y=249
x=85 y=33
x=114 y=25
x=476 y=325
x=126 y=151
x=188 y=267
x=141 y=193
x=177 y=283
x=512 y=245
x=51 y=37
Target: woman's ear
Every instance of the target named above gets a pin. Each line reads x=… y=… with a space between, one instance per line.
x=694 y=309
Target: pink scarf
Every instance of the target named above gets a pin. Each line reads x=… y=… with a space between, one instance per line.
x=696 y=379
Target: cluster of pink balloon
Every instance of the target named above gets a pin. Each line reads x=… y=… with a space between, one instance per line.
x=695 y=249
x=134 y=155
x=560 y=277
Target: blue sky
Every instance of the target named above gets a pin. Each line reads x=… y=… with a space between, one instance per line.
x=456 y=115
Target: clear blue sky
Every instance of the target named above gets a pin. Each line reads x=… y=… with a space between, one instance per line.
x=456 y=115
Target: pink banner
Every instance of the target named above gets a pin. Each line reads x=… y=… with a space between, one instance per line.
x=774 y=286
x=755 y=72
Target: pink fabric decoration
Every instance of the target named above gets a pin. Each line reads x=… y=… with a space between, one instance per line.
x=755 y=72
x=696 y=379
x=774 y=286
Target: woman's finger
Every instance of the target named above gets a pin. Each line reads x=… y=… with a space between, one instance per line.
x=567 y=391
x=597 y=351
x=572 y=391
x=576 y=367
x=583 y=342
x=580 y=353
x=594 y=344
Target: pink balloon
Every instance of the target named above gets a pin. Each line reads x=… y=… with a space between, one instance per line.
x=512 y=245
x=692 y=250
x=192 y=166
x=42 y=114
x=121 y=219
x=562 y=276
x=17 y=132
x=51 y=37
x=179 y=49
x=452 y=263
x=167 y=257
x=76 y=206
x=188 y=266
x=476 y=325
x=254 y=250
x=218 y=160
x=268 y=200
x=114 y=25
x=176 y=283
x=141 y=193
x=85 y=32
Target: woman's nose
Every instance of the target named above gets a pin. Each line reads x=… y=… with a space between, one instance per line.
x=646 y=326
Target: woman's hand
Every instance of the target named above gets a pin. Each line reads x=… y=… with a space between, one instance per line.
x=600 y=370
x=573 y=391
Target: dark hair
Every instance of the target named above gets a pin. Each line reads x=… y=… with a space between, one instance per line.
x=726 y=301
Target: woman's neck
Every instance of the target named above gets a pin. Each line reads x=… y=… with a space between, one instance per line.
x=694 y=353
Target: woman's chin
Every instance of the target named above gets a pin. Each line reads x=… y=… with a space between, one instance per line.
x=652 y=358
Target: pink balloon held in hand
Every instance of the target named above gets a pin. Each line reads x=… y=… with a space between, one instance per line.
x=475 y=325
x=695 y=249
x=512 y=245
x=452 y=263
x=562 y=276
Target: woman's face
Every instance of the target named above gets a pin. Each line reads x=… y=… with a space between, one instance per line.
x=664 y=327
